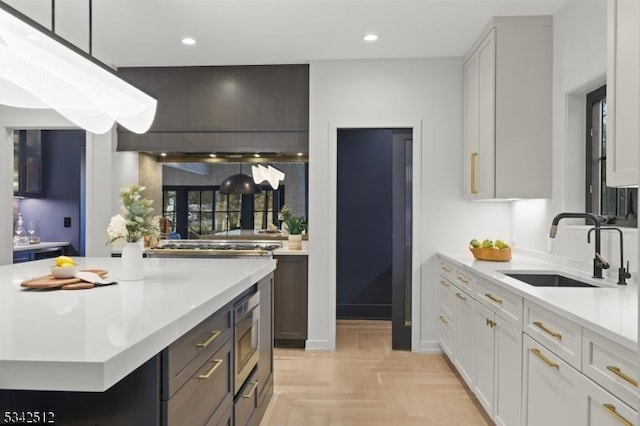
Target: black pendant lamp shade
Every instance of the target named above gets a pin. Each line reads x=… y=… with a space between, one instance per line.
x=239 y=184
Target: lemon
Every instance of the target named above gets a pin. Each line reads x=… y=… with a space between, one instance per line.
x=67 y=265
x=60 y=260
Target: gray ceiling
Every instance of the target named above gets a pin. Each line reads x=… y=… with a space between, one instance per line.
x=148 y=32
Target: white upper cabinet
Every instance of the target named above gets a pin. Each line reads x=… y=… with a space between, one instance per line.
x=507 y=115
x=623 y=107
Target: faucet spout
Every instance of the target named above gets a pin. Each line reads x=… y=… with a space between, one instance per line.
x=623 y=273
x=598 y=262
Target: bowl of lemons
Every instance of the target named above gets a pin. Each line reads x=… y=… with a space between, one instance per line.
x=65 y=267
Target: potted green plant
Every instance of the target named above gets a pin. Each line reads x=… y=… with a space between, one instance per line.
x=296 y=225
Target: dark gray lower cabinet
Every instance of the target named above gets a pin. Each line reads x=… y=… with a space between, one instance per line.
x=290 y=301
x=265 y=364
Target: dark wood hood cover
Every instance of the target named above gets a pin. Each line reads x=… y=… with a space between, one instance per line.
x=252 y=108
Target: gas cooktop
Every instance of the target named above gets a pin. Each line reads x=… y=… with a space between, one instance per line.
x=211 y=248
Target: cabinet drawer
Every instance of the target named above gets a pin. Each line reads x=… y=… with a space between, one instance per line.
x=446 y=333
x=610 y=365
x=501 y=301
x=224 y=414
x=187 y=354
x=246 y=401
x=447 y=270
x=447 y=297
x=604 y=409
x=465 y=280
x=198 y=400
x=558 y=334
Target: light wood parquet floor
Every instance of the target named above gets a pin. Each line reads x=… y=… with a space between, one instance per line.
x=365 y=383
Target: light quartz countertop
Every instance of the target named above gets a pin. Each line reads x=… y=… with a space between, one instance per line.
x=41 y=246
x=610 y=310
x=88 y=340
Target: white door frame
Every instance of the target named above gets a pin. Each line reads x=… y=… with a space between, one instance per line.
x=416 y=263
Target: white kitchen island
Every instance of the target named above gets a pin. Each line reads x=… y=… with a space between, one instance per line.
x=89 y=340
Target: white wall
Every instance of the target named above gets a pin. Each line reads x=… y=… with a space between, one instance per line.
x=425 y=94
x=580 y=34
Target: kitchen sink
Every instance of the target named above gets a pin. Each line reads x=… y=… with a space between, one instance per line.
x=547 y=280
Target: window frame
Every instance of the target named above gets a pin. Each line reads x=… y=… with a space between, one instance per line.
x=247 y=212
x=590 y=162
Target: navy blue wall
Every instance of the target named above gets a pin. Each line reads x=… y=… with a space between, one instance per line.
x=364 y=223
x=61 y=150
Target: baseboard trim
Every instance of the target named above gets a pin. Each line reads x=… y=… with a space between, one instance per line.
x=317 y=345
x=429 y=347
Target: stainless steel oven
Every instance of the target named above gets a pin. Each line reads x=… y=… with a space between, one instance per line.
x=246 y=320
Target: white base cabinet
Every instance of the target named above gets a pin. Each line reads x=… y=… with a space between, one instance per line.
x=484 y=328
x=604 y=409
x=553 y=390
x=464 y=351
x=508 y=374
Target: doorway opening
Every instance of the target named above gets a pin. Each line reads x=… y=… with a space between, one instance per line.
x=374 y=228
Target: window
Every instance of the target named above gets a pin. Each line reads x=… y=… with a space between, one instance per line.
x=617 y=204
x=196 y=211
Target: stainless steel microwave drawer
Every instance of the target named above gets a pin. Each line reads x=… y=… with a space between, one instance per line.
x=187 y=354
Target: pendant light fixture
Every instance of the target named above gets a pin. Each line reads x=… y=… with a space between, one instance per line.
x=269 y=174
x=239 y=183
x=39 y=69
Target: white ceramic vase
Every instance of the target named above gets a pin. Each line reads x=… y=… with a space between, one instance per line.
x=295 y=241
x=132 y=269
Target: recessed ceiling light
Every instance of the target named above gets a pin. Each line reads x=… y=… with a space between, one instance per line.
x=370 y=37
x=189 y=41
x=163 y=154
x=212 y=155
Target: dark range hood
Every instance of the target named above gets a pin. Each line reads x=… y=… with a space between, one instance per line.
x=224 y=109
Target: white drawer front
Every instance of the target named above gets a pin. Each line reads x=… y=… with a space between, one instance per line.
x=465 y=280
x=447 y=336
x=611 y=365
x=503 y=302
x=447 y=297
x=559 y=334
x=604 y=409
x=447 y=270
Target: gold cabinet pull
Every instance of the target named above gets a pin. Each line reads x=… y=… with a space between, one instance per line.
x=214 y=336
x=492 y=297
x=253 y=389
x=544 y=359
x=617 y=372
x=491 y=323
x=611 y=409
x=447 y=270
x=547 y=330
x=461 y=296
x=444 y=319
x=444 y=283
x=216 y=363
x=463 y=280
x=474 y=166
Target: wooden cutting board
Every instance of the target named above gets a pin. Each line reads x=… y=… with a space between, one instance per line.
x=51 y=282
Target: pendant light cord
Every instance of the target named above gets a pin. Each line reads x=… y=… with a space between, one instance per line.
x=53 y=16
x=91 y=27
x=53 y=22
